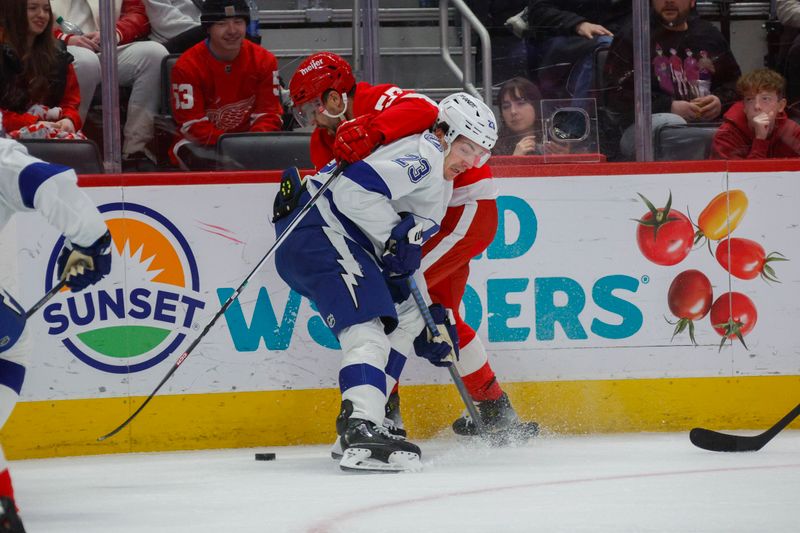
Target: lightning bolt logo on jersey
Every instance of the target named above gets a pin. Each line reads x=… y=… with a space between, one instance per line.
x=333 y=256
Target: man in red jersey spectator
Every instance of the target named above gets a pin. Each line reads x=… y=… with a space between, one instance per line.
x=351 y=120
x=223 y=84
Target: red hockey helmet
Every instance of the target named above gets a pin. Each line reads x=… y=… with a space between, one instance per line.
x=318 y=73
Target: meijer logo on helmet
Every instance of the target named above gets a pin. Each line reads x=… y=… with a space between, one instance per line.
x=315 y=64
x=140 y=313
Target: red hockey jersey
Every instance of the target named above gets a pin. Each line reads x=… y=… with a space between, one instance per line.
x=211 y=97
x=402 y=113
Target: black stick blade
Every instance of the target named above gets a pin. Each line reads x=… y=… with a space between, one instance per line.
x=722 y=442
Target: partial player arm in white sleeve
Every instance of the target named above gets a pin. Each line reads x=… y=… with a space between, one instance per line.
x=29 y=184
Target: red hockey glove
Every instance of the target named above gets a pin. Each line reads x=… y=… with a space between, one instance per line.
x=356 y=139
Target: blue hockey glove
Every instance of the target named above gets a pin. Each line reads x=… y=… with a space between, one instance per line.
x=81 y=266
x=403 y=252
x=441 y=350
x=12 y=321
x=398 y=289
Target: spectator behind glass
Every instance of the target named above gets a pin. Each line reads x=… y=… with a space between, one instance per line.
x=694 y=71
x=175 y=23
x=225 y=84
x=570 y=31
x=138 y=67
x=42 y=100
x=520 y=130
x=789 y=56
x=509 y=52
x=757 y=127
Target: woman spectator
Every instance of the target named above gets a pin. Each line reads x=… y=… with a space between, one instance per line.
x=520 y=130
x=46 y=97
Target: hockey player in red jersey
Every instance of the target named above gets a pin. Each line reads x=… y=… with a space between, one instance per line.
x=351 y=120
x=223 y=84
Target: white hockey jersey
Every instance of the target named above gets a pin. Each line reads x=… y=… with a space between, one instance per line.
x=405 y=176
x=28 y=184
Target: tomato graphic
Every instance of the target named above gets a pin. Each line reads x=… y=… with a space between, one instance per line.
x=745 y=259
x=664 y=236
x=689 y=299
x=733 y=315
x=722 y=215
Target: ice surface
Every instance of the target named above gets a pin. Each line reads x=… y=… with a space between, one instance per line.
x=655 y=482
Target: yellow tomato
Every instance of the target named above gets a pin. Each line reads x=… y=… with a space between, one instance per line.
x=722 y=214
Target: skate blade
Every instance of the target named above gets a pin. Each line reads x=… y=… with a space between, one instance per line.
x=360 y=460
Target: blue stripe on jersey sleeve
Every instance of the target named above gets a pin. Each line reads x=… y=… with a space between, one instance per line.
x=363 y=174
x=32 y=177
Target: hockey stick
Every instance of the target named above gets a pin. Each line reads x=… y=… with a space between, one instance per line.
x=723 y=442
x=278 y=241
x=46 y=298
x=431 y=325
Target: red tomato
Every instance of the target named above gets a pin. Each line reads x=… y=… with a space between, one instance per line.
x=733 y=315
x=664 y=236
x=689 y=299
x=690 y=295
x=746 y=259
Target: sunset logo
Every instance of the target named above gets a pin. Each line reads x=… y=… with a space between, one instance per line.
x=139 y=314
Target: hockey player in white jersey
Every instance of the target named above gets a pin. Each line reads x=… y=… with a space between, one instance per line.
x=29 y=184
x=351 y=255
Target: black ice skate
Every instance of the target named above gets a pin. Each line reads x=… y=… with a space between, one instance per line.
x=393 y=422
x=500 y=421
x=372 y=448
x=9 y=519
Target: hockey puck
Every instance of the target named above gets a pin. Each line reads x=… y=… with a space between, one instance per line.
x=265 y=456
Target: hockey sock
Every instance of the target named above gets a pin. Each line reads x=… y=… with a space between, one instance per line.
x=482 y=384
x=362 y=378
x=6 y=489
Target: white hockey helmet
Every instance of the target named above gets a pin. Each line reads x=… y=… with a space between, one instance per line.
x=468 y=116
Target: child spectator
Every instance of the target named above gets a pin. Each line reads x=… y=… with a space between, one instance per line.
x=44 y=97
x=757 y=127
x=520 y=129
x=224 y=84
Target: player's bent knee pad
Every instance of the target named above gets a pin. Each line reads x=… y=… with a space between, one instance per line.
x=365 y=343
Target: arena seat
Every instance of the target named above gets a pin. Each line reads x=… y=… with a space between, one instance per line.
x=83 y=156
x=264 y=151
x=690 y=142
x=166 y=82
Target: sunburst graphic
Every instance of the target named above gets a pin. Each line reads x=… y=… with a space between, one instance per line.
x=150 y=248
x=134 y=318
